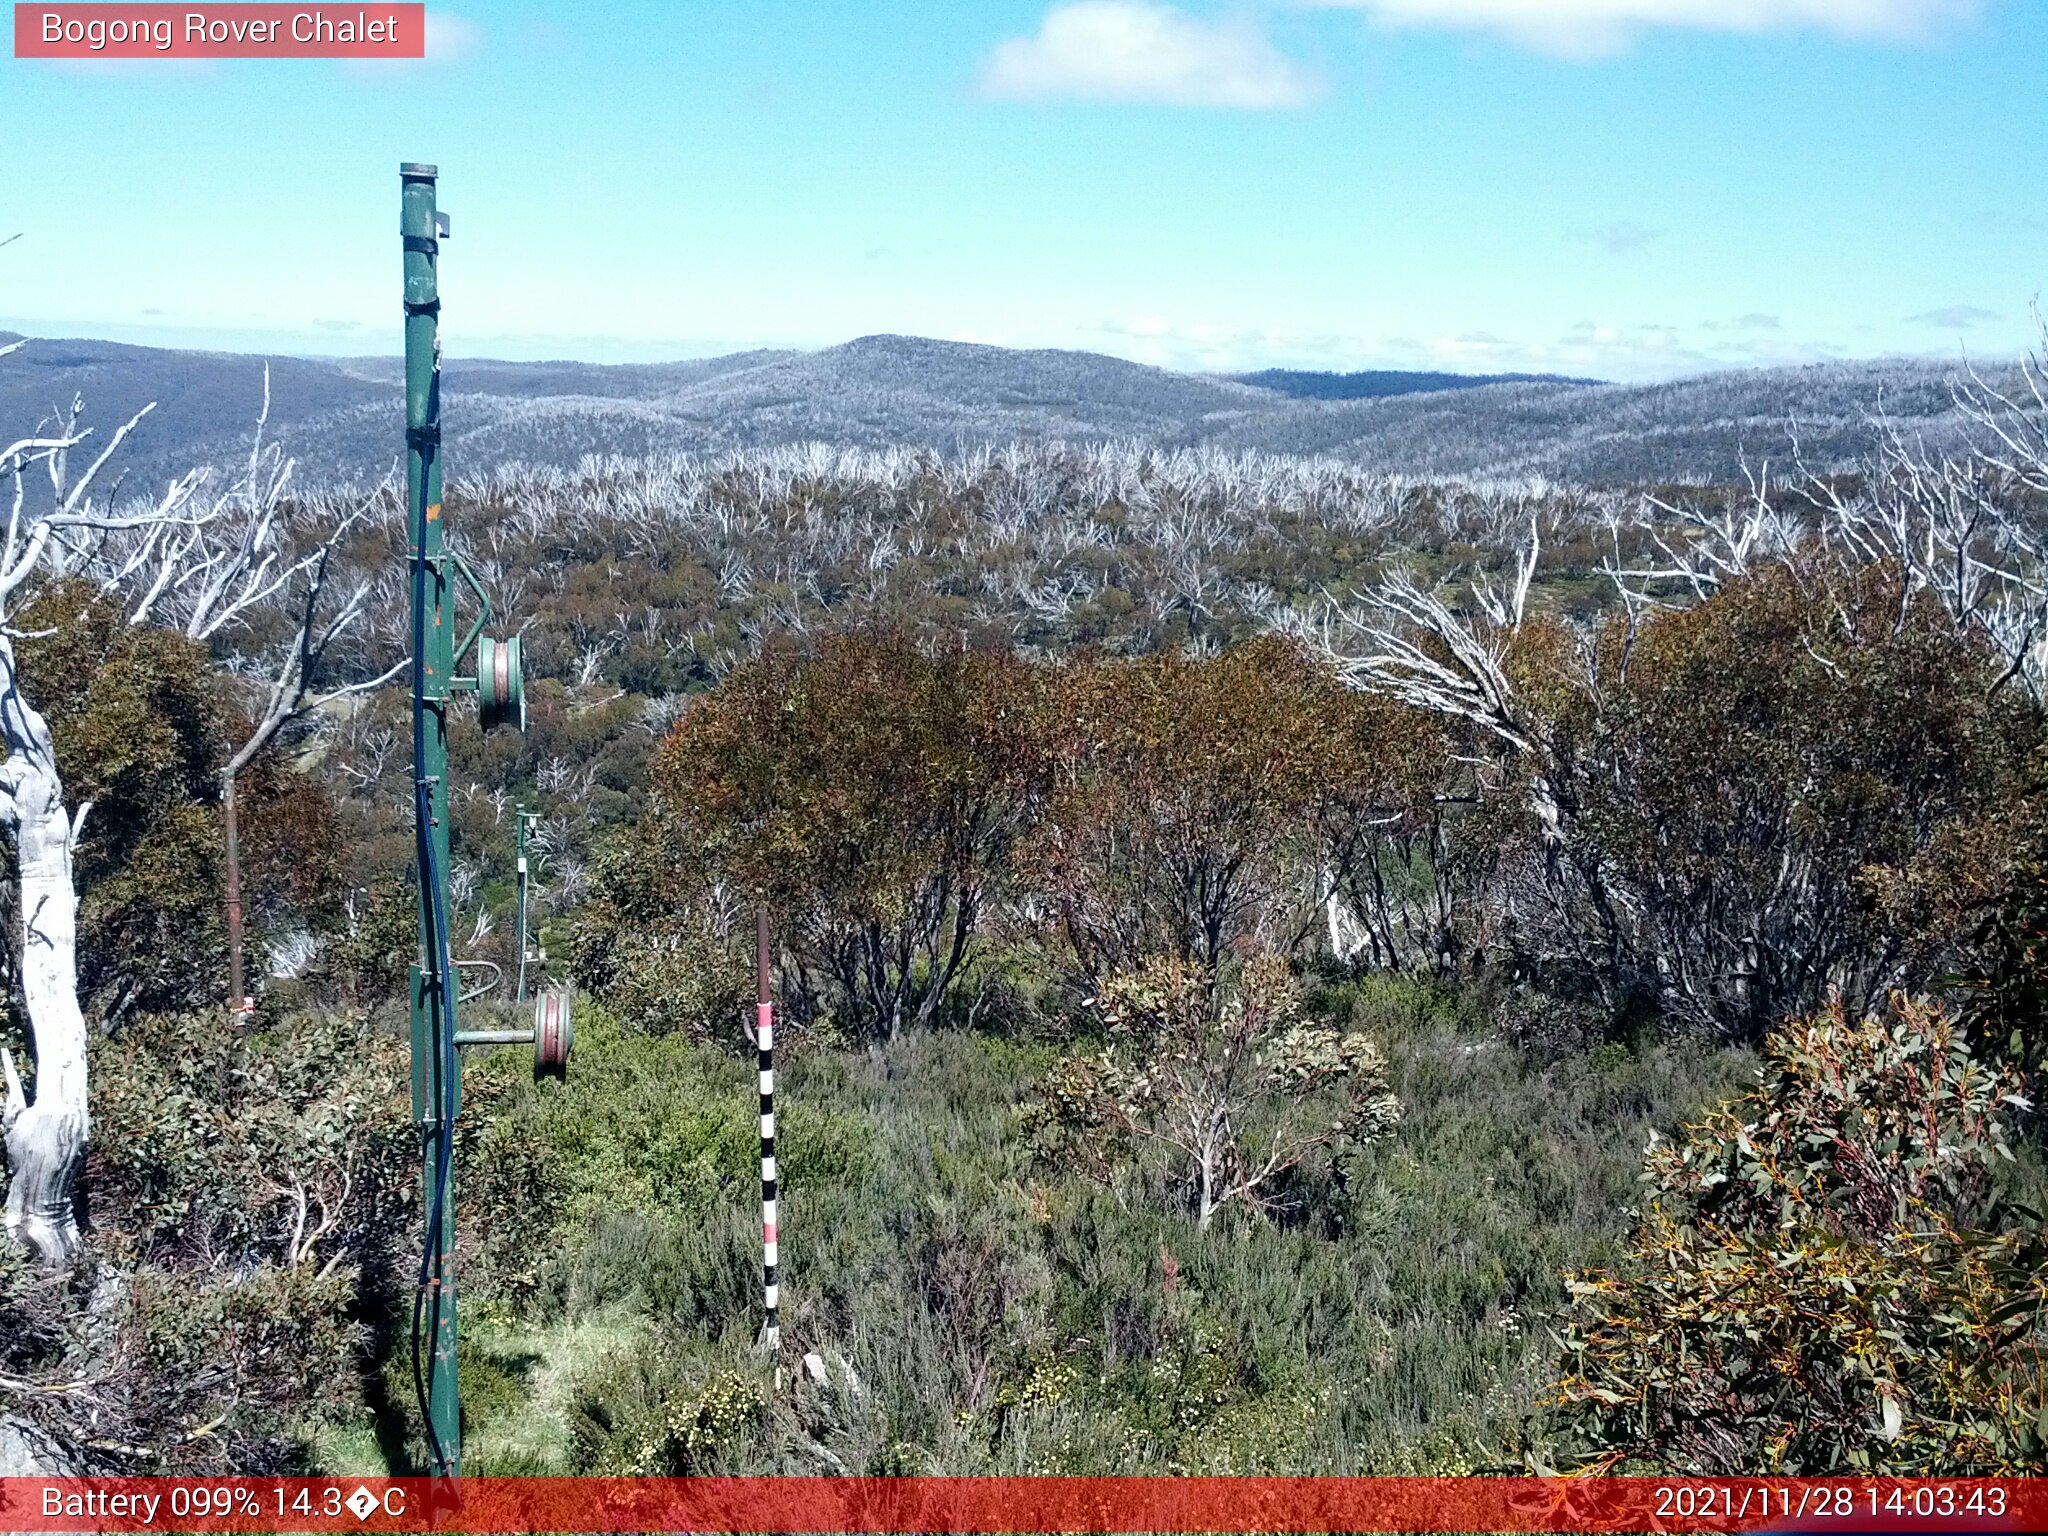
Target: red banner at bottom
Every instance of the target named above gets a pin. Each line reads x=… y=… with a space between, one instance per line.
x=1003 y=1504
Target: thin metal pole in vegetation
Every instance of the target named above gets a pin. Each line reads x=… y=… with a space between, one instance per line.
x=525 y=818
x=764 y=1031
x=436 y=1069
x=240 y=1003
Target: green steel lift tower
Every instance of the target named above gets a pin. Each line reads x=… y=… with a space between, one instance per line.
x=436 y=568
x=436 y=1067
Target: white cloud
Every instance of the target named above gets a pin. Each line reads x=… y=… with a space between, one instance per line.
x=1139 y=50
x=1957 y=317
x=1625 y=352
x=1618 y=239
x=1585 y=28
x=1628 y=353
x=449 y=37
x=1753 y=321
x=1201 y=348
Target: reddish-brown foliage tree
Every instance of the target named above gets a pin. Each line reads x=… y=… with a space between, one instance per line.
x=871 y=792
x=1199 y=804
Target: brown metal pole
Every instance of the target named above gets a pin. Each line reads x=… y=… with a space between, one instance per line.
x=239 y=1002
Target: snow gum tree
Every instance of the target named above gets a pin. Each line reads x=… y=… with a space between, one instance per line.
x=54 y=531
x=205 y=559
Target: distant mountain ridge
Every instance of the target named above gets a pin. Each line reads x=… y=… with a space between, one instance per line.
x=339 y=417
x=1378 y=384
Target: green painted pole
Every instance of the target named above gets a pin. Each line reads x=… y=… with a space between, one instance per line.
x=436 y=1072
x=523 y=816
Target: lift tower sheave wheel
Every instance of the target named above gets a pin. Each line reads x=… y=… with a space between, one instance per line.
x=500 y=684
x=553 y=1034
x=552 y=1037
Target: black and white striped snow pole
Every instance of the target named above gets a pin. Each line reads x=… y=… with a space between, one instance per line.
x=764 y=1034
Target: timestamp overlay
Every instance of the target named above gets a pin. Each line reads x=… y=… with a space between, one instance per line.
x=994 y=1504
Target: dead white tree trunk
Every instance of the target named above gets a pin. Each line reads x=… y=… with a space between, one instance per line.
x=201 y=564
x=45 y=1139
x=58 y=533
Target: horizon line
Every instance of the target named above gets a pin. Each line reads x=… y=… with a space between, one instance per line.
x=263 y=342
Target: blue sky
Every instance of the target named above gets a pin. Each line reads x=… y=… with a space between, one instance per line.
x=1627 y=188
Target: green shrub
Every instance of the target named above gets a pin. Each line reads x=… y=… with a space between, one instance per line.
x=650 y=951
x=661 y=1412
x=369 y=960
x=646 y=1132
x=1822 y=1279
x=1221 y=1074
x=178 y=1373
x=1004 y=1316
x=871 y=790
x=36 y=1318
x=292 y=1144
x=1805 y=783
x=687 y=983
x=225 y=1374
x=139 y=735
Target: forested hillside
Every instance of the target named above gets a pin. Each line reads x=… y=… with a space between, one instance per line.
x=893 y=392
x=1284 y=967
